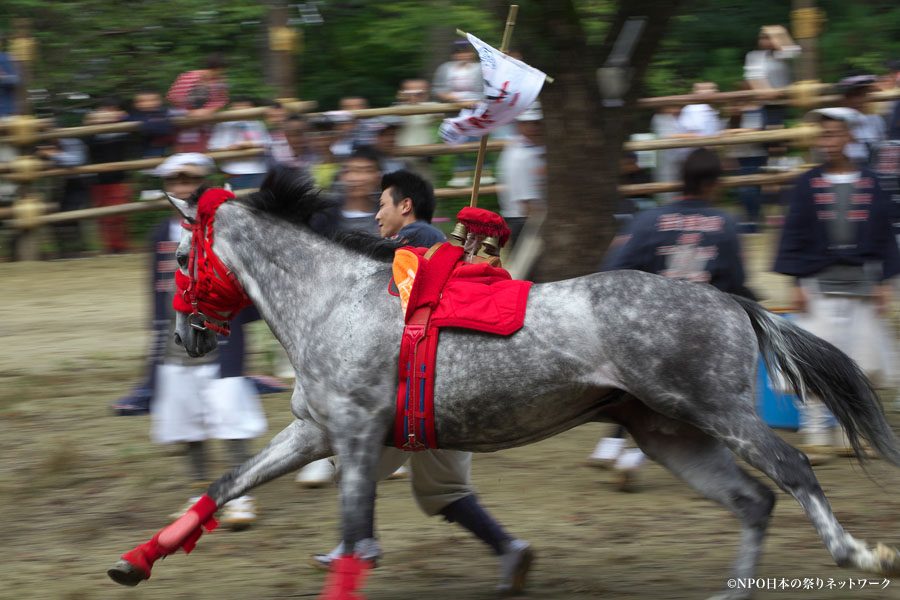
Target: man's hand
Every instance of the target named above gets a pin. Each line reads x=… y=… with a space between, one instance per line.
x=46 y=151
x=882 y=295
x=801 y=300
x=201 y=112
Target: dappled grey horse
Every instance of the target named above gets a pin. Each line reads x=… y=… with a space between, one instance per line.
x=673 y=362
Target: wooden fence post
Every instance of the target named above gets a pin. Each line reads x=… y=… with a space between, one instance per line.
x=27 y=207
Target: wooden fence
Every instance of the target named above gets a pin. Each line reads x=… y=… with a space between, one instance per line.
x=28 y=213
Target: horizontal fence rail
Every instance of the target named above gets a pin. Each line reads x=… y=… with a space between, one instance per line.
x=31 y=221
x=30 y=213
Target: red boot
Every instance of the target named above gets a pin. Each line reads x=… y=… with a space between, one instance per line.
x=346 y=577
x=135 y=566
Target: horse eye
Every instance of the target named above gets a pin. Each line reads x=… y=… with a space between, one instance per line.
x=182 y=260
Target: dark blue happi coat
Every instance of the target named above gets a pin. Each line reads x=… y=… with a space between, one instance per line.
x=805 y=245
x=687 y=240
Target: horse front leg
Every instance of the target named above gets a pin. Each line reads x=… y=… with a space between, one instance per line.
x=297 y=444
x=359 y=452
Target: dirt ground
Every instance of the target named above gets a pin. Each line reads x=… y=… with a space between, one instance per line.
x=79 y=487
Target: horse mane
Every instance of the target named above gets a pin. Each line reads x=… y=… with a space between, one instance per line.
x=291 y=195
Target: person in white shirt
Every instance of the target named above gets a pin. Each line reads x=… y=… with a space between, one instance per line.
x=243 y=173
x=417 y=130
x=701 y=119
x=868 y=129
x=767 y=68
x=523 y=171
x=460 y=80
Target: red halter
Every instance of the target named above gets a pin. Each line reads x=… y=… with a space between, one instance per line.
x=210 y=290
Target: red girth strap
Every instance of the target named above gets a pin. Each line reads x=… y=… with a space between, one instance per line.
x=414 y=420
x=210 y=290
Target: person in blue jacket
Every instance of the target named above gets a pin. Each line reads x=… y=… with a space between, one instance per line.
x=9 y=82
x=838 y=243
x=687 y=240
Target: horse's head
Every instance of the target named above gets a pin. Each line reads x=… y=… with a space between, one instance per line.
x=191 y=331
x=208 y=294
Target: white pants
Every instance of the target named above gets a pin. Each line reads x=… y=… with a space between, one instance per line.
x=852 y=324
x=191 y=404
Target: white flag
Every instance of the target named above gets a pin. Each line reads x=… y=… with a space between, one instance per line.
x=510 y=86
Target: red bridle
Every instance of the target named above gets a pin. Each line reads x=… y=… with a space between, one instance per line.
x=210 y=290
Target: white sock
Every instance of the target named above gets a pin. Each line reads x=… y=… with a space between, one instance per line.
x=630 y=459
x=608 y=448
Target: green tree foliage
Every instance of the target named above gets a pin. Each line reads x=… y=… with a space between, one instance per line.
x=709 y=39
x=98 y=48
x=363 y=48
x=366 y=48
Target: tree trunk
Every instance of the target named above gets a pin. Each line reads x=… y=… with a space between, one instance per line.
x=584 y=138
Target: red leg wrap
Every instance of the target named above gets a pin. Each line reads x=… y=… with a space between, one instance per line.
x=183 y=533
x=346 y=577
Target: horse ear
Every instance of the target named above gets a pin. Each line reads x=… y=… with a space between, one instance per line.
x=187 y=210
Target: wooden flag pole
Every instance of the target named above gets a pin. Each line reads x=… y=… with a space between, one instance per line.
x=482 y=149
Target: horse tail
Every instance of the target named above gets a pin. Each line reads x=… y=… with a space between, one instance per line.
x=813 y=366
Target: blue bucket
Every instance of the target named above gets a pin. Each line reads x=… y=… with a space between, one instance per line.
x=776 y=409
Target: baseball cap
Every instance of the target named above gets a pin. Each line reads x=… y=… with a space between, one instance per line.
x=849 y=116
x=855 y=82
x=532 y=113
x=189 y=163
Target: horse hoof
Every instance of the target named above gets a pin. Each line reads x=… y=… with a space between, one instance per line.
x=125 y=573
x=888 y=560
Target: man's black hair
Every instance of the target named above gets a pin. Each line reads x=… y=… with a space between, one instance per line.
x=826 y=118
x=365 y=153
x=404 y=184
x=110 y=101
x=215 y=61
x=701 y=169
x=243 y=100
x=321 y=123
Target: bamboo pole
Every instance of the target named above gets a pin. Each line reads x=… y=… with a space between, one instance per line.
x=728 y=182
x=403 y=110
x=822 y=93
x=803 y=134
x=442 y=149
x=785 y=96
x=125 y=165
x=806 y=131
x=161 y=204
x=257 y=112
x=429 y=108
x=797 y=135
x=482 y=148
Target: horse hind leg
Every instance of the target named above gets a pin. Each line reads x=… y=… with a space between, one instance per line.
x=751 y=439
x=708 y=466
x=296 y=445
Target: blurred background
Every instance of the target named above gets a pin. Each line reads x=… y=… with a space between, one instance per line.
x=97 y=97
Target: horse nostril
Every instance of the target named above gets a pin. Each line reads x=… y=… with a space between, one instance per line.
x=177 y=340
